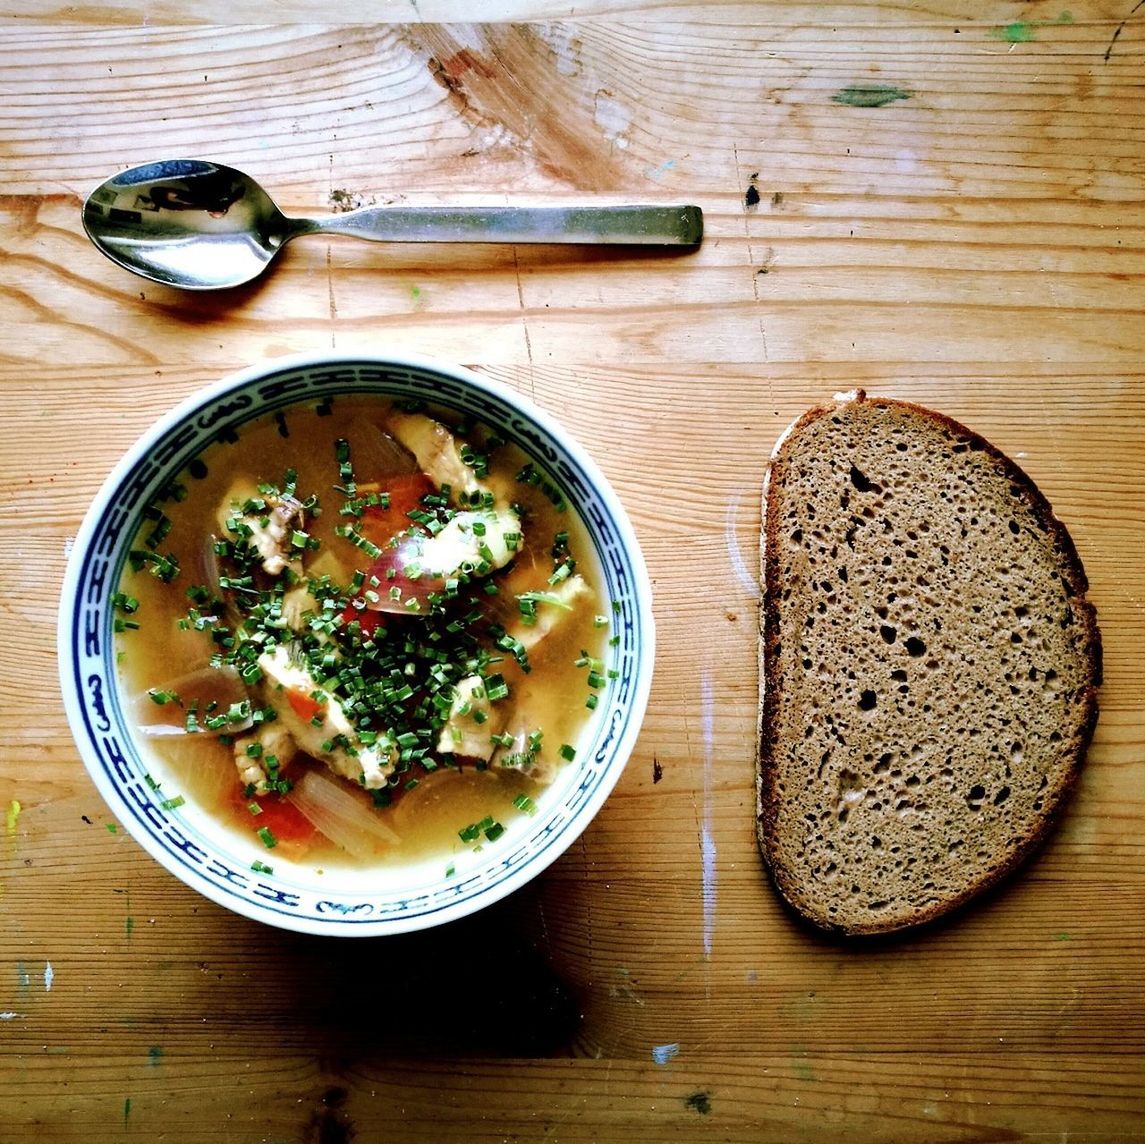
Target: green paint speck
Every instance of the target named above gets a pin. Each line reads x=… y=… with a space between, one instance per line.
x=111 y=828
x=869 y=95
x=1061 y=937
x=126 y=1108
x=13 y=816
x=155 y=1054
x=1019 y=32
x=801 y=1066
x=1023 y=31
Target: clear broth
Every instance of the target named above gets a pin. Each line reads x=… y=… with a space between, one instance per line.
x=430 y=817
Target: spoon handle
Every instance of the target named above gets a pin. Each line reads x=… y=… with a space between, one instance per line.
x=640 y=225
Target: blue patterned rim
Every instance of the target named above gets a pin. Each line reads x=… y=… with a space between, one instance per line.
x=210 y=861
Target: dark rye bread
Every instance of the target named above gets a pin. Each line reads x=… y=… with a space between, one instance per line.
x=929 y=666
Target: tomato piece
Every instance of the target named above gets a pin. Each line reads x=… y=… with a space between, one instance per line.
x=368 y=621
x=285 y=821
x=404 y=492
x=304 y=705
x=288 y=827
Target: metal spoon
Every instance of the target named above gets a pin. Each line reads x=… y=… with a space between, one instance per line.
x=203 y=226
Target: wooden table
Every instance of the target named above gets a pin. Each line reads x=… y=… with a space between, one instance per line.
x=901 y=196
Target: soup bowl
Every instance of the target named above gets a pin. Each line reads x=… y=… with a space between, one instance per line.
x=233 y=868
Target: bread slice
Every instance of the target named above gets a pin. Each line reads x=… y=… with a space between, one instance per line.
x=929 y=665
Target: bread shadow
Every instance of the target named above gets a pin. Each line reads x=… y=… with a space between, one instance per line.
x=971 y=911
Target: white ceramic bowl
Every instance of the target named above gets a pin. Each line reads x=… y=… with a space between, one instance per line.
x=218 y=862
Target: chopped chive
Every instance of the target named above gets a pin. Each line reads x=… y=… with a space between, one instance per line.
x=159 y=533
x=268 y=838
x=351 y=534
x=496 y=688
x=164 y=568
x=534 y=598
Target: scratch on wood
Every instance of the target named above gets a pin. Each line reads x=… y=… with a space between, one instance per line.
x=1121 y=28
x=129 y=921
x=524 y=323
x=330 y=294
x=747 y=581
x=587 y=906
x=707 y=837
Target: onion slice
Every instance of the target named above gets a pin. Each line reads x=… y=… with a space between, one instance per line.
x=342 y=816
x=209 y=690
x=399 y=592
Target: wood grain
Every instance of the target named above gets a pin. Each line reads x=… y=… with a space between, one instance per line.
x=897 y=197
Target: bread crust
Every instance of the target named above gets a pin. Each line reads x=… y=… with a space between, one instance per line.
x=793 y=881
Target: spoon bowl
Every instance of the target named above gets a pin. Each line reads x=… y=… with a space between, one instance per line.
x=199 y=225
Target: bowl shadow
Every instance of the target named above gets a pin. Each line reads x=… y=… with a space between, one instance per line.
x=479 y=986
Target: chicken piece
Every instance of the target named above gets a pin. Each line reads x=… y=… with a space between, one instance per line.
x=484 y=539
x=320 y=727
x=552 y=608
x=268 y=530
x=472 y=721
x=296 y=603
x=476 y=539
x=271 y=741
x=534 y=761
x=435 y=450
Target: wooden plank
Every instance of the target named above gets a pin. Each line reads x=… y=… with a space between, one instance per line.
x=937 y=208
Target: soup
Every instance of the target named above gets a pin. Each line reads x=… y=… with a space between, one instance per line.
x=363 y=633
